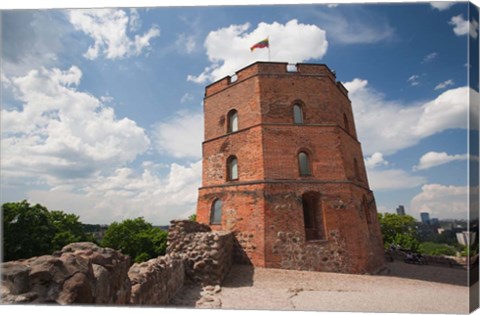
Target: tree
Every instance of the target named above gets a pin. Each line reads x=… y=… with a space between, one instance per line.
x=398 y=230
x=34 y=230
x=27 y=230
x=67 y=229
x=136 y=238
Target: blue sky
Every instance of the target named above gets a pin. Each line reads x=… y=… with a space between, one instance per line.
x=102 y=108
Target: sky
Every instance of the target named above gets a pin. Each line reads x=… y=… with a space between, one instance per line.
x=102 y=109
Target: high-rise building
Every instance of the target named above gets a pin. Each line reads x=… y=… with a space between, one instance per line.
x=401 y=210
x=425 y=216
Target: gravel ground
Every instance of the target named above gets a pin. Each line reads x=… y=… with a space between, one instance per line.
x=406 y=289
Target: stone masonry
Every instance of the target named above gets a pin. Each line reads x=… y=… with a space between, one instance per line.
x=324 y=220
x=81 y=273
x=156 y=281
x=207 y=255
x=84 y=273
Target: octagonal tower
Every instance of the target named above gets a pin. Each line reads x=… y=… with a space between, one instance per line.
x=283 y=169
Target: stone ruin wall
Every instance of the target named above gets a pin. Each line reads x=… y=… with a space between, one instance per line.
x=81 y=273
x=84 y=273
x=156 y=281
x=207 y=255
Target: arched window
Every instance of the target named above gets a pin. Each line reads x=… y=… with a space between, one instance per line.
x=232 y=121
x=216 y=212
x=232 y=168
x=297 y=114
x=345 y=123
x=304 y=164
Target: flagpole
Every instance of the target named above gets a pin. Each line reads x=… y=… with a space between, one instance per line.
x=268 y=39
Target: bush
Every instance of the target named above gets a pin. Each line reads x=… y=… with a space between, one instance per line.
x=435 y=249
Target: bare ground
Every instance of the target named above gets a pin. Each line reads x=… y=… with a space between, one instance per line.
x=407 y=288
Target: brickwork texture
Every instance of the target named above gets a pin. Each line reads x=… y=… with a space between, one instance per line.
x=324 y=219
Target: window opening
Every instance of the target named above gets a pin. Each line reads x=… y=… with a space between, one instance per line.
x=297 y=114
x=232 y=168
x=232 y=121
x=216 y=212
x=304 y=164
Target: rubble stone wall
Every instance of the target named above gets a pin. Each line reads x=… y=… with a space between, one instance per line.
x=84 y=273
x=156 y=281
x=207 y=255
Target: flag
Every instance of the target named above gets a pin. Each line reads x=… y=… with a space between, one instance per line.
x=261 y=44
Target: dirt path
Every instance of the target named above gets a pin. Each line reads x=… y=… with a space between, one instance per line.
x=400 y=291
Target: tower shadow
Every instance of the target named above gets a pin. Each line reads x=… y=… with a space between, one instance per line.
x=432 y=273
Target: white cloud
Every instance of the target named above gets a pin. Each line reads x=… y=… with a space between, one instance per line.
x=128 y=194
x=444 y=84
x=432 y=159
x=31 y=38
x=355 y=26
x=181 y=136
x=393 y=179
x=228 y=48
x=375 y=160
x=463 y=27
x=186 y=43
x=106 y=98
x=430 y=57
x=134 y=22
x=389 y=126
x=441 y=201
x=441 y=5
x=384 y=179
x=413 y=80
x=61 y=133
x=187 y=97
x=448 y=111
x=108 y=28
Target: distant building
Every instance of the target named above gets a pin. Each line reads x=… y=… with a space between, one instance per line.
x=434 y=221
x=425 y=216
x=464 y=237
x=401 y=210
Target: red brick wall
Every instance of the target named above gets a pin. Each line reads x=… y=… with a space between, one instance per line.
x=243 y=213
x=246 y=145
x=264 y=206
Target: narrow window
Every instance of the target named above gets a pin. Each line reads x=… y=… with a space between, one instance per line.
x=297 y=114
x=312 y=217
x=232 y=121
x=355 y=168
x=345 y=123
x=366 y=209
x=304 y=164
x=232 y=168
x=216 y=212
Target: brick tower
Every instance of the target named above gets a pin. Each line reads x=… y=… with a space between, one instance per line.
x=283 y=170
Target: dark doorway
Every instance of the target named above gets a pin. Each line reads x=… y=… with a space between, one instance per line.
x=312 y=216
